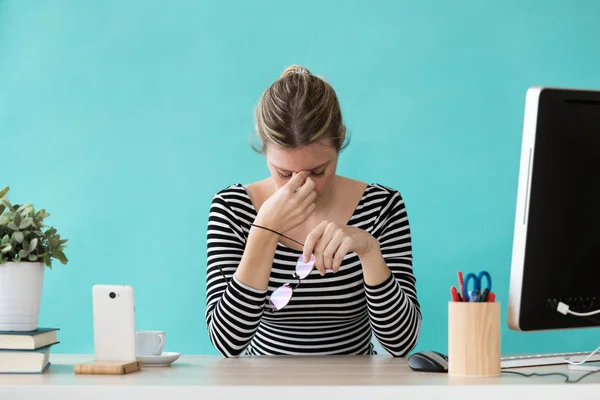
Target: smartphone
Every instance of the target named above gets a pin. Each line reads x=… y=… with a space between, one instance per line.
x=114 y=322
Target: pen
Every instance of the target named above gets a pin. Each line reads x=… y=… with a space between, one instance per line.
x=484 y=295
x=491 y=297
x=455 y=295
x=461 y=285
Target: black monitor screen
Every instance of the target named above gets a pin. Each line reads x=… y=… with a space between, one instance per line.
x=562 y=257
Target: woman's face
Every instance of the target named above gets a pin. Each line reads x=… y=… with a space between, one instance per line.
x=319 y=158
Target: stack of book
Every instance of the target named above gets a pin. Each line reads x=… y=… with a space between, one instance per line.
x=26 y=352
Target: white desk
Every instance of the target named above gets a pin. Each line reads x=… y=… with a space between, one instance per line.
x=285 y=378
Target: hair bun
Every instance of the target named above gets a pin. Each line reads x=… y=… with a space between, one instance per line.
x=295 y=69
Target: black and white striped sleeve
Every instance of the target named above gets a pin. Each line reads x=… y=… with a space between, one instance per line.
x=393 y=307
x=233 y=310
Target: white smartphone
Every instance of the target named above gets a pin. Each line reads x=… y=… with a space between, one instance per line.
x=114 y=322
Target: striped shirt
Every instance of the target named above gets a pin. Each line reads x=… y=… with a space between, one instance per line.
x=327 y=315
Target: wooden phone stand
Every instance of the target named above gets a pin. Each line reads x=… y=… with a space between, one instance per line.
x=107 y=367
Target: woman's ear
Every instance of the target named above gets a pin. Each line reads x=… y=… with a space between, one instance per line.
x=343 y=133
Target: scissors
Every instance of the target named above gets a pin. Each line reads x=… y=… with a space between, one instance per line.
x=477 y=293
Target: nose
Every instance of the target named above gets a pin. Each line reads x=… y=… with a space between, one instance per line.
x=299 y=172
x=294 y=173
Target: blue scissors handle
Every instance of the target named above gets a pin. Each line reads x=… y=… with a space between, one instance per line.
x=477 y=281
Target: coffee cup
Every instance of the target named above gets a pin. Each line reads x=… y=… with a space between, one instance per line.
x=149 y=343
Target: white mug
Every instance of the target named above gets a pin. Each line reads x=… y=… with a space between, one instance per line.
x=149 y=343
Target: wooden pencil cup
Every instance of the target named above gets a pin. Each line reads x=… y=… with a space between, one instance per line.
x=474 y=339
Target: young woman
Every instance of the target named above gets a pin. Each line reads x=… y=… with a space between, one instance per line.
x=263 y=296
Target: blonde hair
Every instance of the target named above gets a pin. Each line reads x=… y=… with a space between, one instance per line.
x=299 y=108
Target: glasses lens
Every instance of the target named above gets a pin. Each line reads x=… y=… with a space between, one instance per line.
x=281 y=296
x=304 y=268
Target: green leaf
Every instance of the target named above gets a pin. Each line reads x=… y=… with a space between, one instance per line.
x=53 y=243
x=23 y=254
x=7 y=204
x=32 y=257
x=2 y=208
x=48 y=261
x=26 y=223
x=18 y=236
x=24 y=209
x=5 y=240
x=42 y=214
x=12 y=226
x=6 y=248
x=4 y=191
x=33 y=244
x=61 y=257
x=17 y=219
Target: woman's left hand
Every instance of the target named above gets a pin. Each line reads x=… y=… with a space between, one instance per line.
x=330 y=243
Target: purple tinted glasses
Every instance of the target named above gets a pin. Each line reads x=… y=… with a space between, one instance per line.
x=283 y=294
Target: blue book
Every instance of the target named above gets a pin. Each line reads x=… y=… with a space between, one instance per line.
x=25 y=361
x=28 y=340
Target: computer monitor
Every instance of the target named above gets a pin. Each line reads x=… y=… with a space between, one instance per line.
x=556 y=243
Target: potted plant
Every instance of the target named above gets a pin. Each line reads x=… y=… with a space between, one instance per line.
x=27 y=247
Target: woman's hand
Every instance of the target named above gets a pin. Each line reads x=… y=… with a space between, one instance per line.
x=330 y=243
x=290 y=205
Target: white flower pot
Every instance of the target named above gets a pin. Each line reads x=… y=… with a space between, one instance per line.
x=20 y=295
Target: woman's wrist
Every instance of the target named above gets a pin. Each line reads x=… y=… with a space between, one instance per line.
x=262 y=236
x=375 y=270
x=255 y=268
x=373 y=252
x=372 y=246
x=261 y=220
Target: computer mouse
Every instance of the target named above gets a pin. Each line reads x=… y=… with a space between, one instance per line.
x=428 y=361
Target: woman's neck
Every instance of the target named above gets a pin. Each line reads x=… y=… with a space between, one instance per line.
x=326 y=199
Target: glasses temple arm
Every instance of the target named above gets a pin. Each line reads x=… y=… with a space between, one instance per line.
x=277 y=233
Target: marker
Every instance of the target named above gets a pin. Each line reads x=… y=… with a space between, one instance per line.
x=454 y=294
x=485 y=294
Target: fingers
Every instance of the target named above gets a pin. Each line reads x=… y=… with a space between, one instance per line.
x=309 y=210
x=308 y=200
x=322 y=243
x=332 y=248
x=311 y=241
x=297 y=181
x=307 y=189
x=341 y=252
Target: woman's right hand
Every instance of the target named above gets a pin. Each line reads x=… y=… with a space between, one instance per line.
x=290 y=205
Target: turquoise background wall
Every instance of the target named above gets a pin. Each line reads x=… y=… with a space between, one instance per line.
x=122 y=118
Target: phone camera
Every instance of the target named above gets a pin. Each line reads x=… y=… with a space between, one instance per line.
x=112 y=295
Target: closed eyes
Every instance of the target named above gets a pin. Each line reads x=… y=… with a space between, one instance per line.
x=288 y=176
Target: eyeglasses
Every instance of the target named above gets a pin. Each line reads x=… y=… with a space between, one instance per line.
x=283 y=294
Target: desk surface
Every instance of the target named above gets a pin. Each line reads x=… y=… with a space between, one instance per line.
x=254 y=377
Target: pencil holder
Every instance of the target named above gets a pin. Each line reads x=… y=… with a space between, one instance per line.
x=474 y=339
